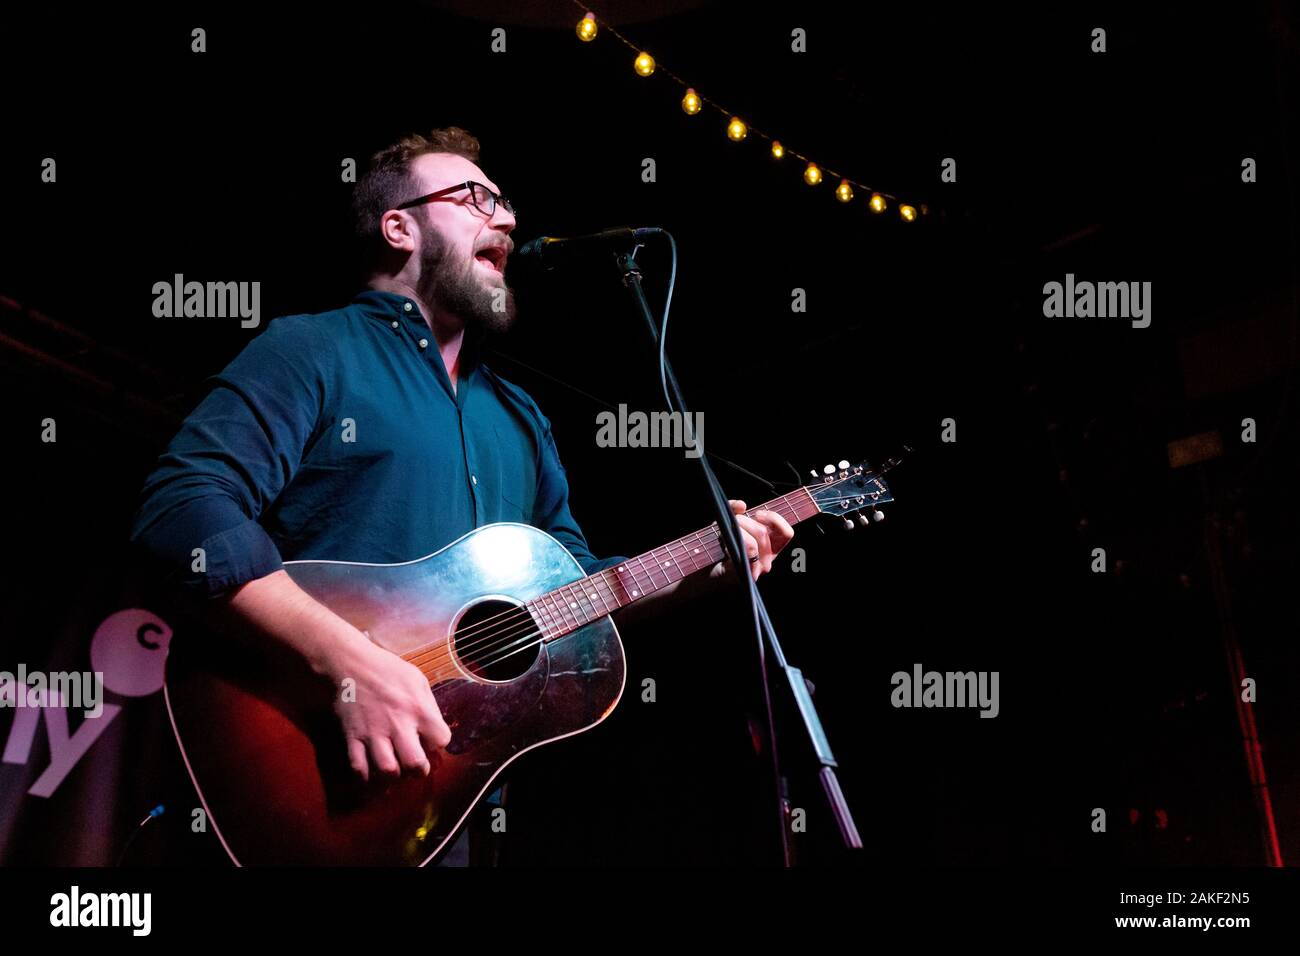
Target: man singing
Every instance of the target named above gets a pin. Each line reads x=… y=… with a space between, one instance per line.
x=374 y=433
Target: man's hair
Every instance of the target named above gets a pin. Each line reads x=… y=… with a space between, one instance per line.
x=388 y=182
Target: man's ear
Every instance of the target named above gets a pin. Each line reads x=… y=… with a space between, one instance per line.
x=396 y=230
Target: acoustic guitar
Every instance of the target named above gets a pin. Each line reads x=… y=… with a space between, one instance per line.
x=519 y=650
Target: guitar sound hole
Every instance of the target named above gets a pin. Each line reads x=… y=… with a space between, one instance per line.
x=496 y=641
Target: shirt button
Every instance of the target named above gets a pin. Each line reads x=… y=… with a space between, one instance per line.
x=474 y=478
x=424 y=343
x=397 y=325
x=406 y=307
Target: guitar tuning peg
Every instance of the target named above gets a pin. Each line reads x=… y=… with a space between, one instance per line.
x=813 y=472
x=828 y=470
x=862 y=520
x=877 y=515
x=844 y=465
x=848 y=524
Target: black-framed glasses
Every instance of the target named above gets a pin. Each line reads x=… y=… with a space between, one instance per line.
x=484 y=199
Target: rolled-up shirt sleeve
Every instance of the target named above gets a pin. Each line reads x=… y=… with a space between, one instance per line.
x=552 y=513
x=196 y=525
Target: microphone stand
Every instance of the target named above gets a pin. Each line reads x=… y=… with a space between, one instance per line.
x=765 y=633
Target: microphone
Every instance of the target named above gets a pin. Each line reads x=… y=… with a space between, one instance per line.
x=550 y=251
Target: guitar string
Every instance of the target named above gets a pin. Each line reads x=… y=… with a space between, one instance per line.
x=430 y=652
x=489 y=628
x=508 y=634
x=705 y=532
x=686 y=541
x=502 y=639
x=513 y=635
x=559 y=608
x=523 y=621
x=479 y=626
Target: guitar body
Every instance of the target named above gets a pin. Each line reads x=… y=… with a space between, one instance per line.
x=266 y=753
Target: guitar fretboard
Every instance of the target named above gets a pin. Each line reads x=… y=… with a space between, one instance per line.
x=570 y=607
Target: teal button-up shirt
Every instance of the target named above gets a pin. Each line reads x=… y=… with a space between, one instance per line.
x=339 y=436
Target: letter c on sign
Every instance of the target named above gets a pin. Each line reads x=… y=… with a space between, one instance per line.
x=130 y=648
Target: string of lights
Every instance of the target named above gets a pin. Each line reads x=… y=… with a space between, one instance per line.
x=738 y=130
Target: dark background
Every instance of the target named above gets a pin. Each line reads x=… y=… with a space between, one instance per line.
x=1122 y=166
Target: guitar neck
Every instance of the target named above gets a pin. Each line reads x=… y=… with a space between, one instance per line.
x=570 y=607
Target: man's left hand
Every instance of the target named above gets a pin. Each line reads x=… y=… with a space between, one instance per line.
x=764 y=534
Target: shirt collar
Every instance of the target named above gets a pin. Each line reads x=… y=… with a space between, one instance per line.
x=388 y=307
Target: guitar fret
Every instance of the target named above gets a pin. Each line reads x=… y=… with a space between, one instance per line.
x=698 y=552
x=620 y=577
x=648 y=567
x=562 y=602
x=602 y=582
x=671 y=563
x=559 y=612
x=591 y=587
x=546 y=612
x=539 y=616
x=677 y=557
x=567 y=598
x=583 y=611
x=589 y=597
x=693 y=550
x=677 y=561
x=589 y=592
x=635 y=586
x=573 y=605
x=654 y=568
x=641 y=588
x=659 y=563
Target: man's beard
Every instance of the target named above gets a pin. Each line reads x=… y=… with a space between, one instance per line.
x=460 y=290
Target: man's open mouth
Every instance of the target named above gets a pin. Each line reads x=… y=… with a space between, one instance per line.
x=494 y=257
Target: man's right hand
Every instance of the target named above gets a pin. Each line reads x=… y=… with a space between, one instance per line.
x=390 y=719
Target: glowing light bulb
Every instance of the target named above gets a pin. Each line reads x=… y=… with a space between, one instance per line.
x=691 y=102
x=812 y=175
x=844 y=192
x=645 y=64
x=877 y=202
x=587 y=28
x=736 y=130
x=777 y=149
x=907 y=212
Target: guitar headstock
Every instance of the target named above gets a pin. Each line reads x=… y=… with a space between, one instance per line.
x=850 y=490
